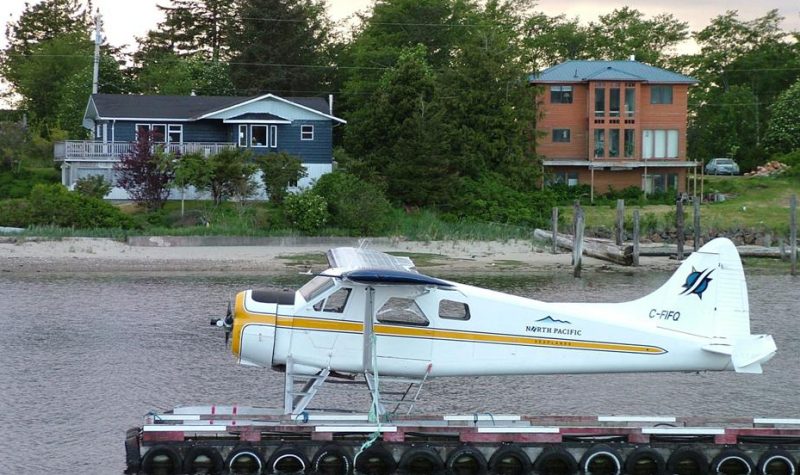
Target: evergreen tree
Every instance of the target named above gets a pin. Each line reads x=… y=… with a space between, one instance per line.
x=196 y=27
x=280 y=46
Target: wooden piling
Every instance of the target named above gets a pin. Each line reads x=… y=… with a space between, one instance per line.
x=793 y=233
x=679 y=226
x=555 y=229
x=636 y=237
x=696 y=223
x=577 y=249
x=619 y=230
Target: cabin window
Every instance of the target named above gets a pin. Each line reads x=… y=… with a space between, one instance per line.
x=306 y=132
x=273 y=136
x=402 y=310
x=453 y=310
x=158 y=131
x=175 y=132
x=315 y=287
x=243 y=136
x=335 y=301
x=258 y=136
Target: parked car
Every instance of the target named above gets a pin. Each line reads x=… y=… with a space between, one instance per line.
x=722 y=166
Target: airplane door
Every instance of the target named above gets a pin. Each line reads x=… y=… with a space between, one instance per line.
x=402 y=331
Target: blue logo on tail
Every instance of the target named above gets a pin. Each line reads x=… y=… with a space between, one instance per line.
x=697 y=282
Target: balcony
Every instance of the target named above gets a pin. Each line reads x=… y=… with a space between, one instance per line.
x=90 y=151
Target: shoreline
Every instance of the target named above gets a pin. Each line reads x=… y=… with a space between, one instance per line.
x=102 y=255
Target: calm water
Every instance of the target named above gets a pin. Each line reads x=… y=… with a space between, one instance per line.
x=83 y=358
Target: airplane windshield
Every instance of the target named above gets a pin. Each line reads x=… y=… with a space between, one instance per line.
x=315 y=286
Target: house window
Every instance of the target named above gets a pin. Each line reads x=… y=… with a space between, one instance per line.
x=660 y=94
x=258 y=135
x=158 y=131
x=273 y=136
x=599 y=101
x=243 y=135
x=401 y=310
x=613 y=143
x=561 y=94
x=659 y=144
x=613 y=102
x=599 y=143
x=175 y=132
x=660 y=182
x=306 y=132
x=630 y=142
x=560 y=135
x=630 y=101
x=567 y=178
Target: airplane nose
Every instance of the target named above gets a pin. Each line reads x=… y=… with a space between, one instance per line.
x=226 y=323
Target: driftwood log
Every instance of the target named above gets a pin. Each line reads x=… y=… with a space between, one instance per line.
x=593 y=247
x=663 y=250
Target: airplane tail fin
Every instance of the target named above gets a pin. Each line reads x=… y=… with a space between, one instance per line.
x=707 y=297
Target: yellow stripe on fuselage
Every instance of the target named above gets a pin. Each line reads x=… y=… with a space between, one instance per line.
x=244 y=317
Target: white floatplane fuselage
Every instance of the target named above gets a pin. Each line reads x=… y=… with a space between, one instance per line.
x=371 y=312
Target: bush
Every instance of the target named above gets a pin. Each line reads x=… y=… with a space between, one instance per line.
x=15 y=213
x=18 y=184
x=306 y=211
x=354 y=204
x=55 y=205
x=279 y=171
x=490 y=199
x=93 y=186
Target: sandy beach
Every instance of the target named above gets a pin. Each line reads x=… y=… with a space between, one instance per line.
x=80 y=255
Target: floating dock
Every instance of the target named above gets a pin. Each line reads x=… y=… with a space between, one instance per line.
x=235 y=439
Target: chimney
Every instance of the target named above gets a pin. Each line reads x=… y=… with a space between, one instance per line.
x=330 y=104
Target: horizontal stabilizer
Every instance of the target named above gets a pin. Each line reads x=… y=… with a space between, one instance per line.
x=746 y=353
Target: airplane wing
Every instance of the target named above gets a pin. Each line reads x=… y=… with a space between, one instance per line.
x=351 y=258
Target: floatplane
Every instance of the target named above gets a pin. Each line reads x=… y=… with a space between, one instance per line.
x=373 y=314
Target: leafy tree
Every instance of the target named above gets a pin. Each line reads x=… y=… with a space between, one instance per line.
x=146 y=173
x=625 y=32
x=196 y=27
x=93 y=186
x=783 y=132
x=280 y=46
x=400 y=135
x=724 y=126
x=354 y=204
x=169 y=74
x=13 y=141
x=553 y=40
x=306 y=211
x=223 y=175
x=279 y=171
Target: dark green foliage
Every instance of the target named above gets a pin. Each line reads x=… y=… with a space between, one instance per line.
x=491 y=199
x=307 y=212
x=15 y=213
x=224 y=175
x=354 y=204
x=18 y=183
x=196 y=27
x=93 y=186
x=783 y=133
x=280 y=46
x=279 y=171
x=54 y=205
x=12 y=144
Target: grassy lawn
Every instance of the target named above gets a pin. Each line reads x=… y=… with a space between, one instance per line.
x=756 y=203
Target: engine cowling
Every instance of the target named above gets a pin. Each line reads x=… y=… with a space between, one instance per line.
x=255 y=317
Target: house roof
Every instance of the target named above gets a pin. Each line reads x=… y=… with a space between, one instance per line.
x=583 y=71
x=130 y=106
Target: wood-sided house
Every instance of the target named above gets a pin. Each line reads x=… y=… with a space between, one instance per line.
x=301 y=126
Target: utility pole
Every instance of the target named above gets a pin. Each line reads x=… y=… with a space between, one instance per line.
x=98 y=22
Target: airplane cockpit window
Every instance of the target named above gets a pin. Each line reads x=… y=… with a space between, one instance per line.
x=315 y=286
x=401 y=310
x=453 y=310
x=335 y=301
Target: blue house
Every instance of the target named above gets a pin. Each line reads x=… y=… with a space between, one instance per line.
x=301 y=126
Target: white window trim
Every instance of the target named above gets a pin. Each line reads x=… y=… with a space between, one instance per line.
x=273 y=136
x=136 y=128
x=149 y=128
x=243 y=135
x=178 y=129
x=266 y=136
x=302 y=132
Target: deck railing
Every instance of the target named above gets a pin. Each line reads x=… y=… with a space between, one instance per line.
x=89 y=150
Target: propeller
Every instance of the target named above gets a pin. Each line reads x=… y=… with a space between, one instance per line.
x=227 y=322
